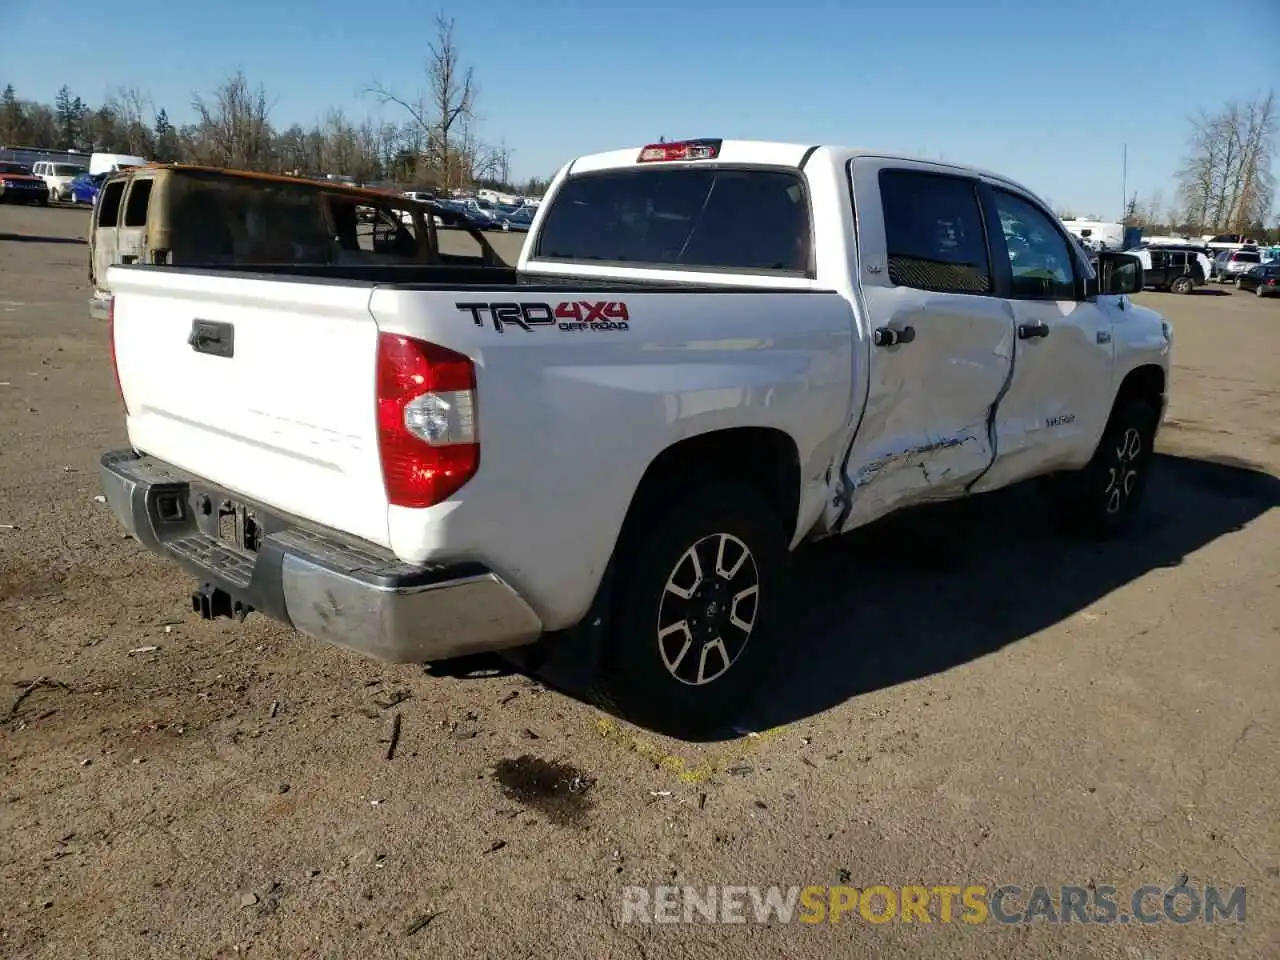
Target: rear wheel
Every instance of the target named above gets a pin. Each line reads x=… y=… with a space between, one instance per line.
x=1183 y=285
x=700 y=591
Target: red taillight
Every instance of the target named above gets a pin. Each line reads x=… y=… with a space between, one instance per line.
x=683 y=150
x=111 y=345
x=1271 y=282
x=426 y=420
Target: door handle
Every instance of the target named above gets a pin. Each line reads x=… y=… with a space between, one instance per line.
x=1030 y=331
x=889 y=337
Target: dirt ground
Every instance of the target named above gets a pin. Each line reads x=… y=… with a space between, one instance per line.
x=969 y=698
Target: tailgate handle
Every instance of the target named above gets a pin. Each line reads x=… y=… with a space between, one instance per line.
x=213 y=338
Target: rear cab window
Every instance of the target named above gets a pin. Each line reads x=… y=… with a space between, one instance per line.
x=707 y=219
x=369 y=232
x=934 y=232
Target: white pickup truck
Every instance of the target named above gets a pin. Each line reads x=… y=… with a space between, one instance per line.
x=709 y=352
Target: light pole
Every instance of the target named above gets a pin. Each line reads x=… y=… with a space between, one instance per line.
x=1124 y=189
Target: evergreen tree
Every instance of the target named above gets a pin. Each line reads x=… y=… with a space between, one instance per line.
x=67 y=112
x=166 y=138
x=12 y=119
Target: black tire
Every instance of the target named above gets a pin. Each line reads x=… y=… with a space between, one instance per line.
x=662 y=643
x=1101 y=500
x=1183 y=285
x=1258 y=291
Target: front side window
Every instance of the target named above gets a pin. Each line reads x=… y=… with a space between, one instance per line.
x=1039 y=258
x=934 y=232
x=705 y=218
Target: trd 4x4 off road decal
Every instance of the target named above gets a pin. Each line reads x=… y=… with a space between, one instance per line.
x=569 y=316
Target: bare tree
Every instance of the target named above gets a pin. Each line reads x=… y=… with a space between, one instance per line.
x=233 y=126
x=1257 y=184
x=445 y=113
x=131 y=108
x=1225 y=182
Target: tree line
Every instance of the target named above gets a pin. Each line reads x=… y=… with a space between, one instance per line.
x=1224 y=183
x=436 y=144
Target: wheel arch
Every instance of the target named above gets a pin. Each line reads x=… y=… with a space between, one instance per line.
x=1146 y=382
x=764 y=459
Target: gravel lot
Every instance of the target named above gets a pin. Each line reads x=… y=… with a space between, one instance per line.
x=969 y=699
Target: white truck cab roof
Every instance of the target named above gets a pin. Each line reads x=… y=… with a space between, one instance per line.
x=762 y=152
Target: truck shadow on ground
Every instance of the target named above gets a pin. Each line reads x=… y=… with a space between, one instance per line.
x=925 y=591
x=29 y=238
x=933 y=588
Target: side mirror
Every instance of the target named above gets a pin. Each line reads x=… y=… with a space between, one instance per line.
x=1119 y=273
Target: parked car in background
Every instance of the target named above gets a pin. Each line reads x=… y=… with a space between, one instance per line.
x=466 y=215
x=19 y=185
x=58 y=176
x=1177 y=269
x=84 y=188
x=519 y=221
x=1237 y=262
x=1219 y=261
x=114 y=162
x=1263 y=280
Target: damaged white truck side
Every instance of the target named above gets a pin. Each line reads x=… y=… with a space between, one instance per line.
x=709 y=352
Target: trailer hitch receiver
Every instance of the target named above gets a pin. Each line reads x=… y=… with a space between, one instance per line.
x=211 y=603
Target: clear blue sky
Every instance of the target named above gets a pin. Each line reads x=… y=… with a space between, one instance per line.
x=1046 y=91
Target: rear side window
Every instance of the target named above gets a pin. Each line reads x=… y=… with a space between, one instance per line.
x=934 y=233
x=109 y=204
x=135 y=208
x=685 y=219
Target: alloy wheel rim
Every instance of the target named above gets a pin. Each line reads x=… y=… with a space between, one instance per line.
x=1122 y=475
x=710 y=605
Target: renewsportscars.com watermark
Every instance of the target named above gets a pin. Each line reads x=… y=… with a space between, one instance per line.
x=967 y=904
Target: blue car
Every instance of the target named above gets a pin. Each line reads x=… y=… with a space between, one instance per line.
x=519 y=221
x=84 y=188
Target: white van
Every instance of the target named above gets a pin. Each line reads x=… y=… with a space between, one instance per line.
x=1098 y=234
x=57 y=177
x=111 y=162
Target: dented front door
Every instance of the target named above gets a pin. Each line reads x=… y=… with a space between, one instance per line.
x=941 y=341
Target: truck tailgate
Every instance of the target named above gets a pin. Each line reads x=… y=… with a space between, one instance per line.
x=264 y=387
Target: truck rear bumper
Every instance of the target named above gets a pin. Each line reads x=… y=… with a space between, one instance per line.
x=320 y=582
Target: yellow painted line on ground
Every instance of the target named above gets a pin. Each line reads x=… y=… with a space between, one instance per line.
x=685 y=770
